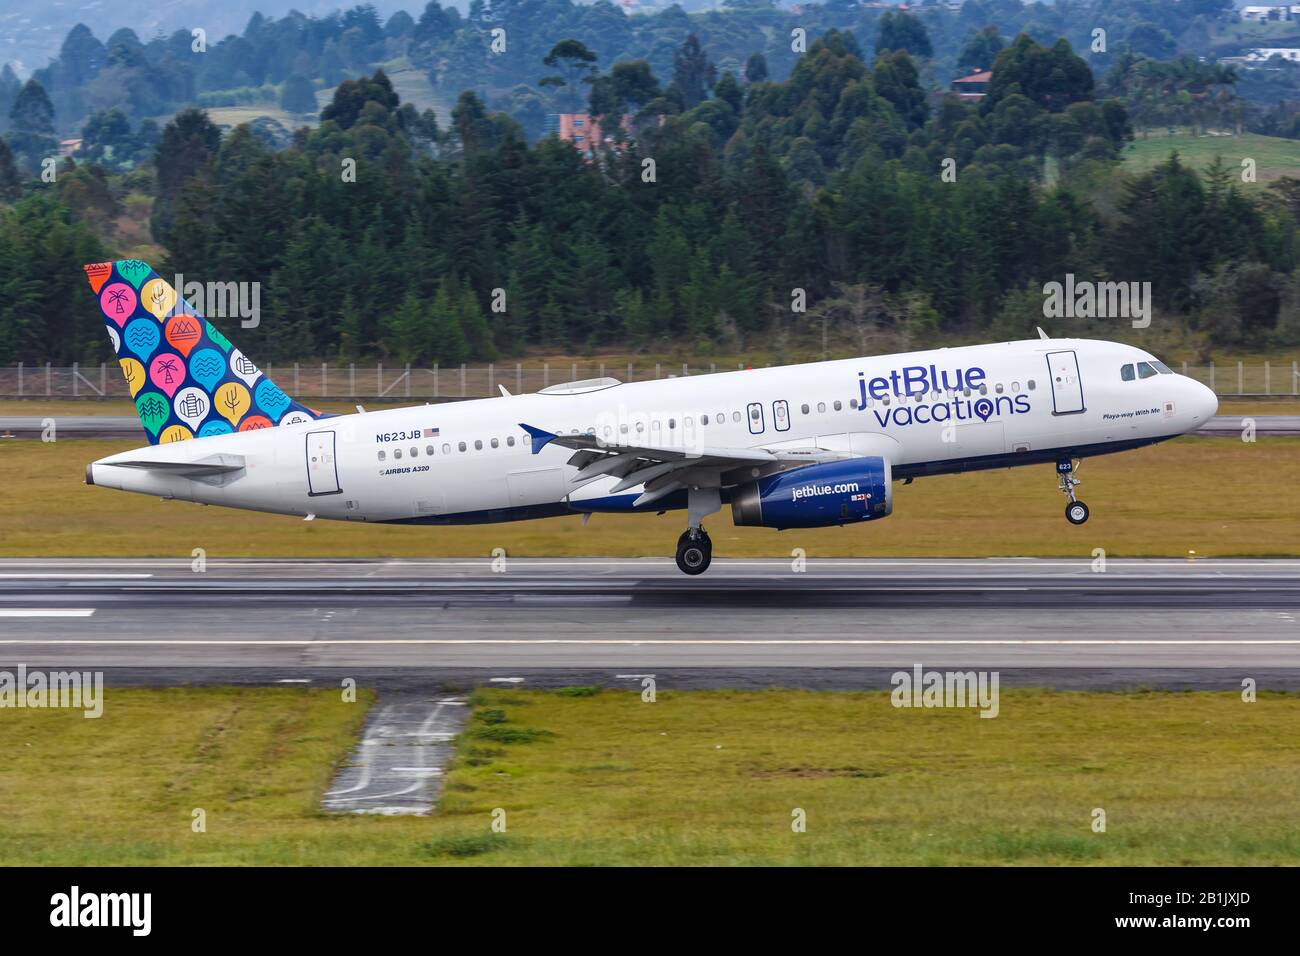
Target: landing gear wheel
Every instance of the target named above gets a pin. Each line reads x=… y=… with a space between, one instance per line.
x=694 y=551
x=1076 y=512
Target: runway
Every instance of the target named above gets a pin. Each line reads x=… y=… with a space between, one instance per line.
x=746 y=622
x=128 y=427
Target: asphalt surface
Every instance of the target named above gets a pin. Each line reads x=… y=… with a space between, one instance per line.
x=126 y=427
x=615 y=622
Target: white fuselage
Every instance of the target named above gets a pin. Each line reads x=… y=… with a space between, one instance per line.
x=471 y=461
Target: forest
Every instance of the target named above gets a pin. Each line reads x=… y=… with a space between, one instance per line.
x=731 y=209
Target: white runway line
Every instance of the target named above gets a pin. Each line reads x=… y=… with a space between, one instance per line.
x=638 y=642
x=46 y=611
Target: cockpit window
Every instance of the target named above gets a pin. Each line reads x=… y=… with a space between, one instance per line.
x=1126 y=373
x=1162 y=368
x=1145 y=370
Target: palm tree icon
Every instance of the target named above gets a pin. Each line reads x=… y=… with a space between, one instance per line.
x=167 y=366
x=117 y=297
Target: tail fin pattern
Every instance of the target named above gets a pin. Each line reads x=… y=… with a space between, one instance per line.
x=186 y=378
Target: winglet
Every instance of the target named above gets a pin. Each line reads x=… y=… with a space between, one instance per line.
x=540 y=438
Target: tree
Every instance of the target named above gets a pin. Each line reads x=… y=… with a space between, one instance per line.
x=693 y=74
x=902 y=31
x=298 y=95
x=981 y=49
x=756 y=68
x=31 y=127
x=186 y=150
x=11 y=182
x=576 y=65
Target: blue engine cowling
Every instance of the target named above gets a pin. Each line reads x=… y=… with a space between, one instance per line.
x=839 y=492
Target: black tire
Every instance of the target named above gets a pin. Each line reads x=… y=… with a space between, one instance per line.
x=1076 y=512
x=693 y=557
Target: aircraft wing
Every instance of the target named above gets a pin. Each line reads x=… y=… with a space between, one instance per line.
x=662 y=469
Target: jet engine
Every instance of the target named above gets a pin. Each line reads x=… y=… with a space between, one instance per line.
x=817 y=496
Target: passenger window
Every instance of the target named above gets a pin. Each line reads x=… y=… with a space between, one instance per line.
x=415 y=452
x=446 y=449
x=821 y=406
x=704 y=419
x=672 y=423
x=397 y=453
x=735 y=416
x=1126 y=373
x=804 y=409
x=984 y=389
x=1145 y=370
x=640 y=427
x=1015 y=386
x=510 y=440
x=853 y=403
x=495 y=443
x=998 y=388
x=687 y=422
x=720 y=418
x=382 y=456
x=478 y=444
x=754 y=412
x=1031 y=385
x=461 y=446
x=839 y=406
x=429 y=450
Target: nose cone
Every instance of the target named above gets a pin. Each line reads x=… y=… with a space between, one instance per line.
x=1201 y=402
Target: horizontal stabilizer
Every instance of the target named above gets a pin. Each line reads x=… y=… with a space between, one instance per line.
x=203 y=468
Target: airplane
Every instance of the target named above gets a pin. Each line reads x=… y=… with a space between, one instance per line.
x=800 y=446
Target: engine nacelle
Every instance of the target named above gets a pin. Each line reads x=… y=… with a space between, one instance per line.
x=838 y=492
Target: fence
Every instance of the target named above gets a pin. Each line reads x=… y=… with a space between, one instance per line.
x=403 y=382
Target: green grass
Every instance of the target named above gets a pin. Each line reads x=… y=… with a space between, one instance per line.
x=702 y=777
x=1164 y=500
x=1274 y=156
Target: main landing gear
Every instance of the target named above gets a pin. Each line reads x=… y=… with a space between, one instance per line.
x=1076 y=512
x=694 y=549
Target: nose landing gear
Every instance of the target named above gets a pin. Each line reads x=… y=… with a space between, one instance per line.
x=1076 y=512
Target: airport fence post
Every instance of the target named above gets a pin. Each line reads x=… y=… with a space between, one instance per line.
x=685 y=373
x=573 y=371
x=492 y=378
x=462 y=379
x=47 y=379
x=297 y=388
x=629 y=372
x=1184 y=367
x=1268 y=379
x=546 y=375
x=713 y=367
x=324 y=379
x=76 y=374
x=602 y=370
x=408 y=379
x=379 y=379
x=435 y=379
x=1239 y=379
x=352 y=379
x=20 y=379
x=103 y=379
x=1295 y=379
x=519 y=379
x=1212 y=375
x=657 y=373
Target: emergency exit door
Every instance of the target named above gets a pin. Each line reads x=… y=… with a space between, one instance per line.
x=1067 y=387
x=322 y=467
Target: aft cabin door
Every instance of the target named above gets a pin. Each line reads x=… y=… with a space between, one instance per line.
x=1067 y=387
x=322 y=467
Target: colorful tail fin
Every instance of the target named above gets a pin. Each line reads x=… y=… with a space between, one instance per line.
x=186 y=378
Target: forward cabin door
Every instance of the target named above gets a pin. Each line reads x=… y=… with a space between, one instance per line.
x=1067 y=386
x=322 y=466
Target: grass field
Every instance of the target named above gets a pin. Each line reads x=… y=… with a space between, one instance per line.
x=1214 y=496
x=1274 y=156
x=702 y=777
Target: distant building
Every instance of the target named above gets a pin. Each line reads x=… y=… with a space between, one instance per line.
x=974 y=87
x=1264 y=14
x=1260 y=54
x=580 y=129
